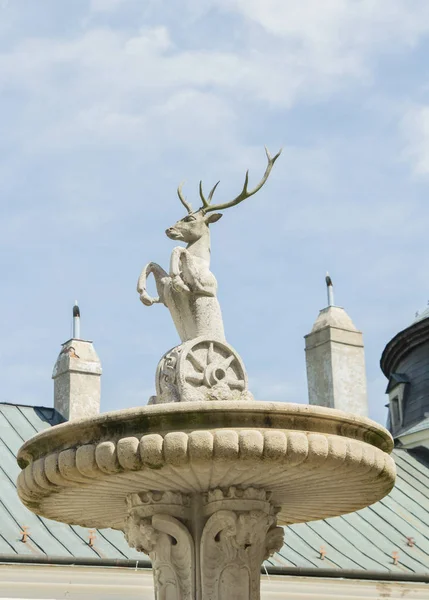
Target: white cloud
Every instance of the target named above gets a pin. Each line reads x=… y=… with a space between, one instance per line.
x=111 y=87
x=183 y=118
x=105 y=5
x=324 y=45
x=111 y=83
x=335 y=27
x=198 y=96
x=415 y=127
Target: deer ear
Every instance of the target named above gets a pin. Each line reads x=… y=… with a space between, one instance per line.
x=212 y=218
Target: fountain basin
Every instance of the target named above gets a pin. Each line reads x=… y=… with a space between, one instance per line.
x=314 y=462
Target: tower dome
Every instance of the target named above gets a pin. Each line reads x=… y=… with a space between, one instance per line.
x=405 y=363
x=421 y=316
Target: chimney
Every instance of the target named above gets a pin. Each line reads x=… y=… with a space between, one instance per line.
x=335 y=360
x=76 y=376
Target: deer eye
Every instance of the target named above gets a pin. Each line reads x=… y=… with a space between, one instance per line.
x=188 y=219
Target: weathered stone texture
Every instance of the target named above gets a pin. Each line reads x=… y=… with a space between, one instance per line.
x=76 y=378
x=336 y=363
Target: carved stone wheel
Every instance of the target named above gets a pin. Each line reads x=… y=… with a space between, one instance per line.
x=210 y=369
x=211 y=365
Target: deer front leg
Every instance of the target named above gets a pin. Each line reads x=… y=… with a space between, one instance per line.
x=197 y=275
x=161 y=280
x=177 y=282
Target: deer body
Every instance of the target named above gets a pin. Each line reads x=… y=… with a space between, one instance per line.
x=195 y=313
x=189 y=289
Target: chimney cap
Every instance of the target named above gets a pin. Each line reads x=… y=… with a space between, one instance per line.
x=76 y=310
x=333 y=316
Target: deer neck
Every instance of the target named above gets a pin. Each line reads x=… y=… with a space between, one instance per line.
x=201 y=247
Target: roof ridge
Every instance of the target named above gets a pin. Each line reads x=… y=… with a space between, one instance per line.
x=26 y=405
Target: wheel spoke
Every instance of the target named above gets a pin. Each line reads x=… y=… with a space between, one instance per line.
x=195 y=379
x=235 y=383
x=210 y=354
x=196 y=362
x=226 y=362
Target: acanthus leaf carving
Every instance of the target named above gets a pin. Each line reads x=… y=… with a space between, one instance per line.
x=236 y=531
x=171 y=550
x=233 y=547
x=274 y=541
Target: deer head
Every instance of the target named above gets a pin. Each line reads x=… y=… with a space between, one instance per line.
x=195 y=224
x=192 y=227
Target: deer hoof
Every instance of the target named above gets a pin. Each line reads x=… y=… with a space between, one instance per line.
x=147 y=300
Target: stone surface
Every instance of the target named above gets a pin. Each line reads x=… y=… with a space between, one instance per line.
x=208 y=545
x=76 y=378
x=336 y=363
x=333 y=316
x=201 y=486
x=315 y=462
x=199 y=479
x=201 y=369
x=189 y=291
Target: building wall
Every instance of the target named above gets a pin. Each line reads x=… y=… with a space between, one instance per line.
x=33 y=582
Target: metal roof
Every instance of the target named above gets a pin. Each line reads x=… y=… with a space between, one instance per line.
x=366 y=540
x=370 y=539
x=422 y=426
x=395 y=379
x=17 y=424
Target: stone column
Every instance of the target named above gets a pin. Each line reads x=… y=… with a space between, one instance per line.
x=207 y=546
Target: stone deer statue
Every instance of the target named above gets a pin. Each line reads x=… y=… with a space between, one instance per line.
x=189 y=290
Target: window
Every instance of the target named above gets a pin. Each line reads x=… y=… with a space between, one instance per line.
x=395 y=411
x=397 y=389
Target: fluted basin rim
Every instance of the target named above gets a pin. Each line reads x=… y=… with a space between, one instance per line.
x=187 y=416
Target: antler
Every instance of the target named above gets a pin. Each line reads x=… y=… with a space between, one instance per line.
x=206 y=203
x=186 y=204
x=207 y=206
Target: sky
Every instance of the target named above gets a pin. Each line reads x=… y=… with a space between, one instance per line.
x=106 y=105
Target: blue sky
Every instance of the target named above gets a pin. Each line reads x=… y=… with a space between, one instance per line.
x=106 y=105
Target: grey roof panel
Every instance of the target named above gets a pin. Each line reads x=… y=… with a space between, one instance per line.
x=379 y=530
x=422 y=426
x=18 y=423
x=388 y=537
x=371 y=543
x=22 y=426
x=315 y=538
x=412 y=476
x=350 y=559
x=33 y=418
x=368 y=553
x=299 y=552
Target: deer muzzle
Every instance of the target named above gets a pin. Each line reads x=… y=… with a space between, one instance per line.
x=173 y=233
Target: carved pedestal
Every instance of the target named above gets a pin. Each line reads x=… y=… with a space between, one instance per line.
x=205 y=547
x=201 y=369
